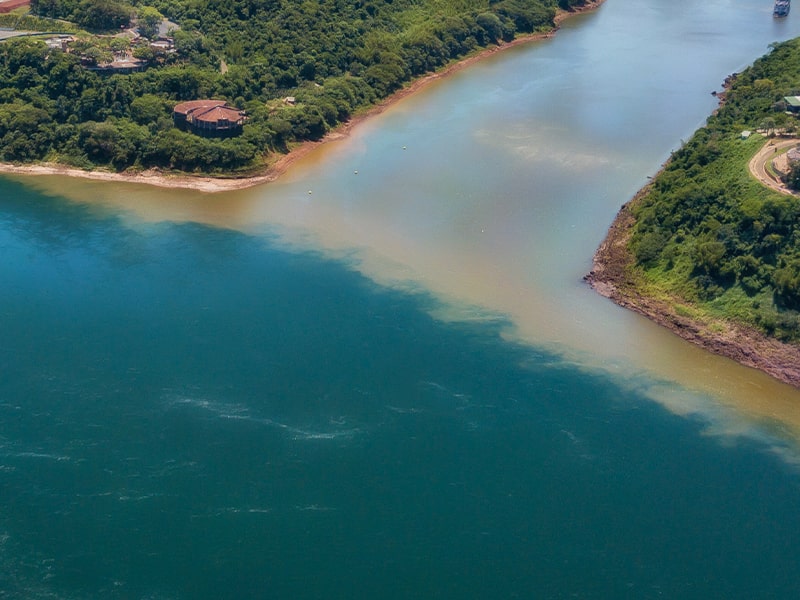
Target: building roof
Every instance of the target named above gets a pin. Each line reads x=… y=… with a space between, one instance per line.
x=127 y=63
x=793 y=101
x=216 y=114
x=184 y=108
x=209 y=115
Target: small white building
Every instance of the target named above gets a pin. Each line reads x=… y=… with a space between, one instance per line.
x=59 y=43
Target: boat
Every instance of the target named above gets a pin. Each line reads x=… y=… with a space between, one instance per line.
x=781 y=8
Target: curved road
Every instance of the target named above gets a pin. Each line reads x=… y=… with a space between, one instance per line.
x=758 y=164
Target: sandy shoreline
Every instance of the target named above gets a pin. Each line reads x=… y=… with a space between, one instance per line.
x=209 y=184
x=610 y=277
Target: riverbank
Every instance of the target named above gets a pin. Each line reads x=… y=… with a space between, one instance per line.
x=612 y=277
x=208 y=184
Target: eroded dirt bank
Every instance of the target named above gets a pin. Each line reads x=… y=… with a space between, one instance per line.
x=611 y=277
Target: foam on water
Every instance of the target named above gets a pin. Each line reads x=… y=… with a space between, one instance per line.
x=238 y=412
x=54 y=457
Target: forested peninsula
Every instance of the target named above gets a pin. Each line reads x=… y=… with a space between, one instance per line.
x=709 y=250
x=103 y=94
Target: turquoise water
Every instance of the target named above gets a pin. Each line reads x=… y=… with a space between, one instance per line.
x=188 y=412
x=396 y=386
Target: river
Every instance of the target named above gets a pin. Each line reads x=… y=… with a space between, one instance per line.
x=382 y=375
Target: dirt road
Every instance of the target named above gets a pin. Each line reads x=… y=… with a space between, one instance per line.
x=758 y=164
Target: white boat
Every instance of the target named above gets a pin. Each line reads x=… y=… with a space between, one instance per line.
x=781 y=8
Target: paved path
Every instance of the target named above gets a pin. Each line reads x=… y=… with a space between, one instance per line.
x=6 y=34
x=758 y=164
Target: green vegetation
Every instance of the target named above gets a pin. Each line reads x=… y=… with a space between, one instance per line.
x=91 y=14
x=710 y=233
x=27 y=22
x=334 y=57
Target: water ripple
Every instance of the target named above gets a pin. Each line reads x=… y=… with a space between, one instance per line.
x=238 y=412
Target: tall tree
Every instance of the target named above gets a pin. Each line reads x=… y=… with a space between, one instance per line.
x=149 y=20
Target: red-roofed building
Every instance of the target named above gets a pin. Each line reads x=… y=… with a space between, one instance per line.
x=208 y=117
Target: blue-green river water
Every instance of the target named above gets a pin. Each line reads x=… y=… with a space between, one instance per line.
x=395 y=386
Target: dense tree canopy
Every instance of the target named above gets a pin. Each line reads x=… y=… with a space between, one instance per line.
x=333 y=57
x=96 y=15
